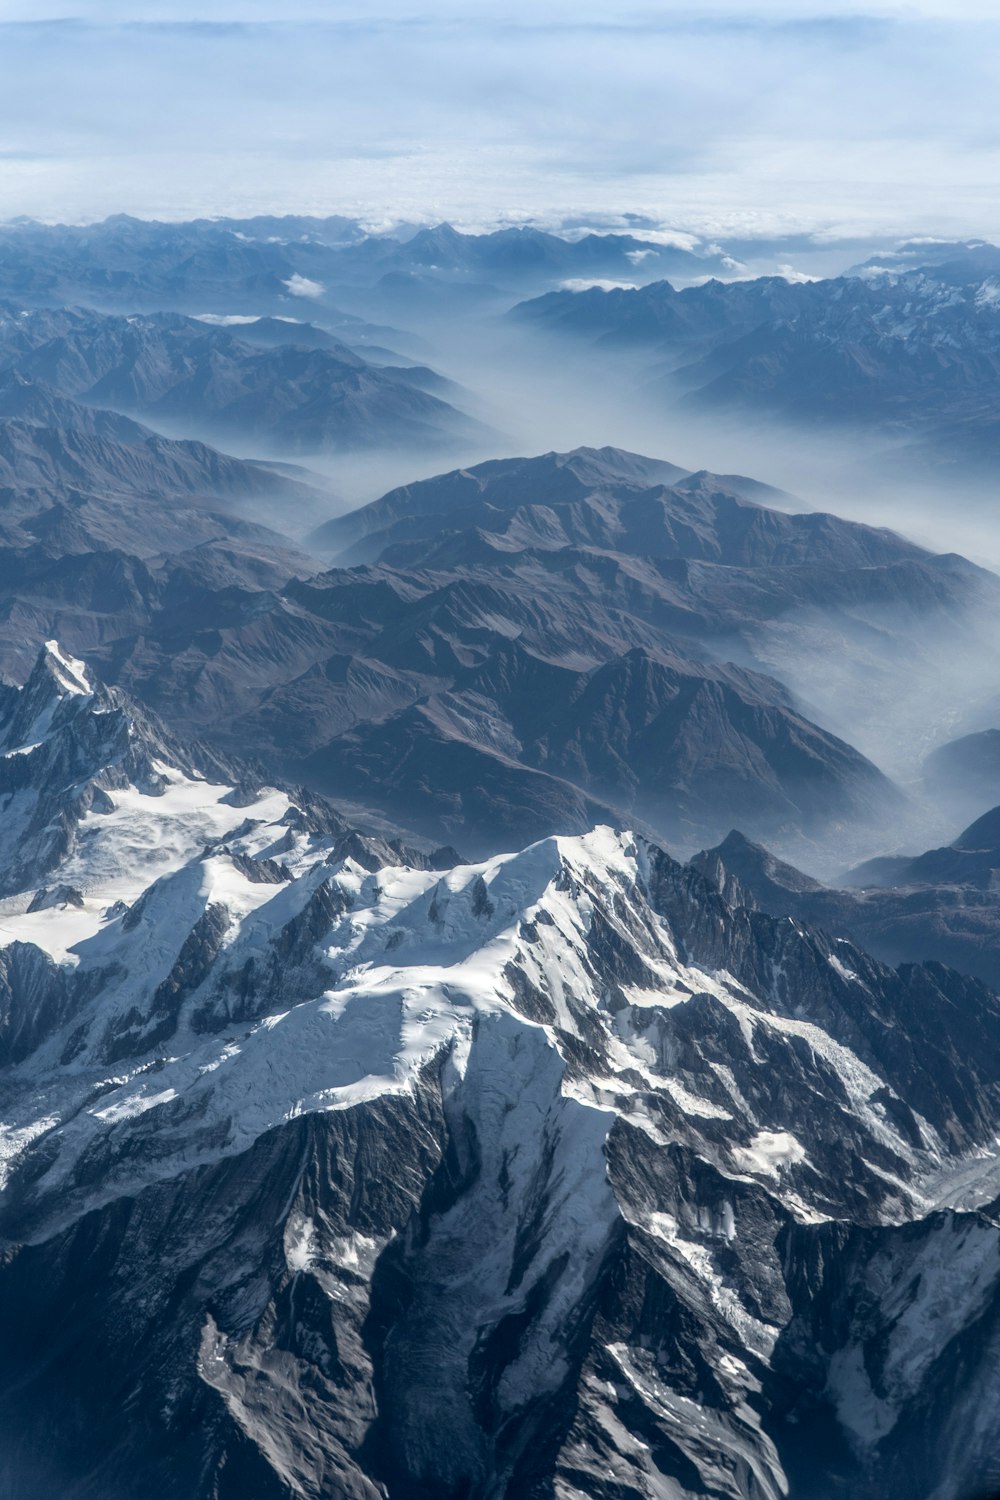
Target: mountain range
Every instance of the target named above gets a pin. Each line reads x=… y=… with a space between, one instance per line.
x=905 y=344
x=345 y=1170
x=205 y=378
x=601 y=649
x=913 y=351
x=270 y=264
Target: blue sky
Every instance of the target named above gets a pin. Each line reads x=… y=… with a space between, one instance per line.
x=773 y=117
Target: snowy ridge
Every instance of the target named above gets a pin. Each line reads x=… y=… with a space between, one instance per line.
x=562 y=1154
x=65 y=742
x=409 y=967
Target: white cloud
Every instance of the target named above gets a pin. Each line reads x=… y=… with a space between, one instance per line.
x=773 y=116
x=227 y=320
x=301 y=286
x=798 y=277
x=583 y=284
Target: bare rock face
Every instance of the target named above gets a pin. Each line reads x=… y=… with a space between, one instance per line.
x=332 y=1170
x=943 y=904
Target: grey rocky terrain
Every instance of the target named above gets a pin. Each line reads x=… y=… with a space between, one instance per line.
x=943 y=904
x=574 y=639
x=206 y=379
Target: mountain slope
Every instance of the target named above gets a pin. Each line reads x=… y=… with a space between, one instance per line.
x=137 y=462
x=941 y=905
x=75 y=478
x=170 y=368
x=605 y=498
x=499 y=486
x=518 y=743
x=965 y=773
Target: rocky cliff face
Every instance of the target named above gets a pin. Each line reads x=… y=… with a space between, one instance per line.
x=943 y=904
x=330 y=1172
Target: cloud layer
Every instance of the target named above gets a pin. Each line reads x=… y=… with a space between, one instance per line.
x=778 y=117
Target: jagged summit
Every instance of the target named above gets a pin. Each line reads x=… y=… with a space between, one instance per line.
x=71 y=675
x=56 y=680
x=748 y=874
x=67 y=743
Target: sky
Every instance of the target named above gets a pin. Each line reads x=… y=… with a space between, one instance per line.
x=764 y=118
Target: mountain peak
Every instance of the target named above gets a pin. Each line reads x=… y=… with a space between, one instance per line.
x=984 y=833
x=571 y=1072
x=68 y=744
x=55 y=679
x=71 y=674
x=756 y=869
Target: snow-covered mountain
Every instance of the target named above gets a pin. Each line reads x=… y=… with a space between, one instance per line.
x=328 y=1171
